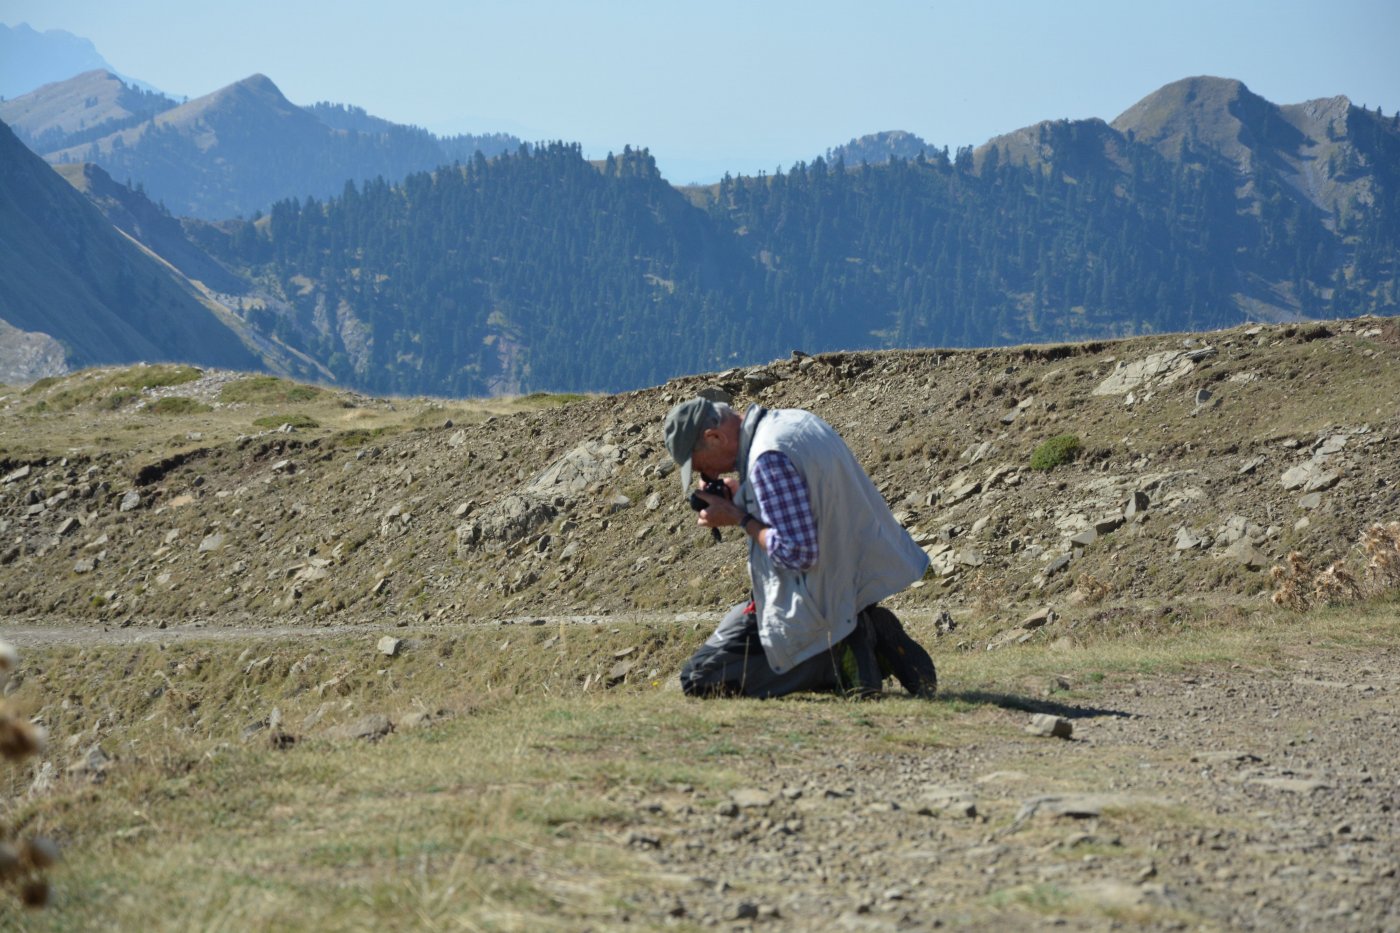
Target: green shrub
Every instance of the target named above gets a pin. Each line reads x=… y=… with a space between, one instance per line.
x=177 y=405
x=295 y=419
x=1057 y=451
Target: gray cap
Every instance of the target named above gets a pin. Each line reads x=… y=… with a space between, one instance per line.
x=684 y=425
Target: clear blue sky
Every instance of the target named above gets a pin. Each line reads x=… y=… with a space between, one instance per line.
x=739 y=86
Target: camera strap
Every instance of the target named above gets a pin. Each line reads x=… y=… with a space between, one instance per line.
x=746 y=434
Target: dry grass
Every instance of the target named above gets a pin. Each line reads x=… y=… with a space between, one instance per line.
x=507 y=808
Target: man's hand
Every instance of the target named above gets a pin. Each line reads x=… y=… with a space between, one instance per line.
x=720 y=512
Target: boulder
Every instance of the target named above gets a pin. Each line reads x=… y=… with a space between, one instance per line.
x=1186 y=539
x=1161 y=368
x=1043 y=616
x=1244 y=553
x=1322 y=479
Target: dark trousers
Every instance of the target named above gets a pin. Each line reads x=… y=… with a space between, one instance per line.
x=732 y=663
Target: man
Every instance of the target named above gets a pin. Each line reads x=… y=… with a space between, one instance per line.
x=823 y=551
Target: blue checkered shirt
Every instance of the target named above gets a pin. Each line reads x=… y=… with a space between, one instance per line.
x=786 y=509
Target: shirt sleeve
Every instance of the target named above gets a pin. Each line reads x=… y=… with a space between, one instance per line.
x=785 y=507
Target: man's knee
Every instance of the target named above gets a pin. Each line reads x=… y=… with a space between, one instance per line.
x=701 y=677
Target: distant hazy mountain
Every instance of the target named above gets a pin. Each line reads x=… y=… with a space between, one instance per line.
x=67 y=273
x=29 y=58
x=80 y=109
x=878 y=148
x=232 y=152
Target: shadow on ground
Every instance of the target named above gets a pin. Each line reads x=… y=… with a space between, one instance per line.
x=1029 y=705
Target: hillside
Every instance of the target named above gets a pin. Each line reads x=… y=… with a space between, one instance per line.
x=134 y=214
x=278 y=634
x=232 y=152
x=69 y=275
x=1205 y=461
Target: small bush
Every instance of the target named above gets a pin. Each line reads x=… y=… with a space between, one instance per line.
x=1057 y=451
x=295 y=419
x=177 y=405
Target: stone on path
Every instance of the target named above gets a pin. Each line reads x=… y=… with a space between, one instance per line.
x=1050 y=725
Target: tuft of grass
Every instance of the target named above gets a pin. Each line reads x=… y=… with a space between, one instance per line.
x=268 y=390
x=1057 y=451
x=177 y=405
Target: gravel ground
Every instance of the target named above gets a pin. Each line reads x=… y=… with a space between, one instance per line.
x=1241 y=799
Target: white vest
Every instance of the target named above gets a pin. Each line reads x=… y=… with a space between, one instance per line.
x=864 y=555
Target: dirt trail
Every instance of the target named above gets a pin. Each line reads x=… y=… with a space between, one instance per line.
x=1234 y=798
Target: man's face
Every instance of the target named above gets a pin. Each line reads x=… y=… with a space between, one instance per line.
x=718 y=451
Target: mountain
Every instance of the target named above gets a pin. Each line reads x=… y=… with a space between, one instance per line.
x=69 y=275
x=78 y=110
x=1313 y=218
x=29 y=58
x=229 y=153
x=540 y=270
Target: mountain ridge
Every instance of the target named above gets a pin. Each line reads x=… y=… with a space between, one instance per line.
x=234 y=151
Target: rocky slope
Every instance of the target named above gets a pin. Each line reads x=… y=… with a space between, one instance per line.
x=1204 y=461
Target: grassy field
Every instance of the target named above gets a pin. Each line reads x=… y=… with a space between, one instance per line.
x=505 y=797
x=166 y=408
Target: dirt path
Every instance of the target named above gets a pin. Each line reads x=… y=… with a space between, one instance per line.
x=1234 y=799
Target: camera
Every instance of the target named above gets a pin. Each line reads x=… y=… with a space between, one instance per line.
x=715 y=487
